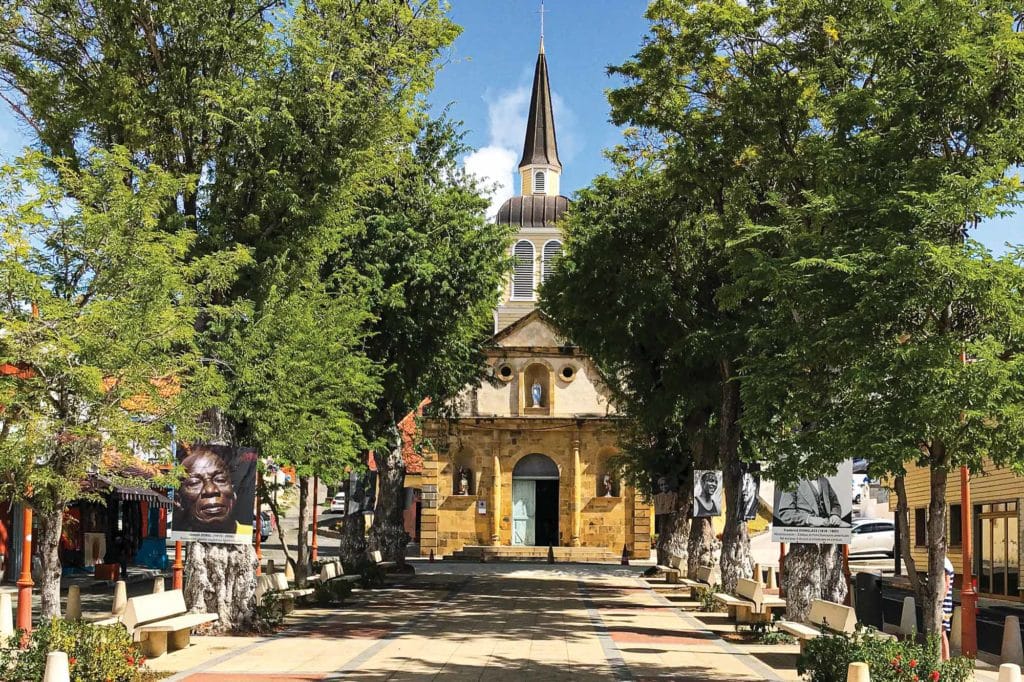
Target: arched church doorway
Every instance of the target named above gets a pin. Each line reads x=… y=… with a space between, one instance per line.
x=535 y=501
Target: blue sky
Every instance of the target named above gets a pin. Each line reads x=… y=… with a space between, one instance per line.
x=488 y=74
x=486 y=79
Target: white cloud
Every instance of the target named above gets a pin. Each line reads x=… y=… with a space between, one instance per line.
x=496 y=165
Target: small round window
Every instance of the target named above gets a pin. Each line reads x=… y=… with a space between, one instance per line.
x=505 y=373
x=568 y=373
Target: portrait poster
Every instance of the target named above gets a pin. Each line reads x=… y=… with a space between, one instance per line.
x=707 y=493
x=362 y=492
x=664 y=496
x=750 y=486
x=215 y=500
x=815 y=511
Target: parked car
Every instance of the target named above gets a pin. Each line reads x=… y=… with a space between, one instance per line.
x=338 y=503
x=266 y=526
x=873 y=536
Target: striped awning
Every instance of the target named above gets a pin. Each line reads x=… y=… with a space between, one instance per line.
x=131 y=493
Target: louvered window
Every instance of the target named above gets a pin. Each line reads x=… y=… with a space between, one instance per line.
x=552 y=250
x=538 y=182
x=522 y=278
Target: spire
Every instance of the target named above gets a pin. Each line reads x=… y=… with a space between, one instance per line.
x=540 y=147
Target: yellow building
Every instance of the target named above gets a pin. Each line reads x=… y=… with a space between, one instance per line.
x=997 y=496
x=525 y=463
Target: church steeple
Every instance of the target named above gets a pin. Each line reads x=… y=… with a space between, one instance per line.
x=540 y=168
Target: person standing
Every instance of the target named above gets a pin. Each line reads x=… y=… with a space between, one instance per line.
x=947 y=606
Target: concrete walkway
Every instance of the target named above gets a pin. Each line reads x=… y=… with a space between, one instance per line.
x=498 y=622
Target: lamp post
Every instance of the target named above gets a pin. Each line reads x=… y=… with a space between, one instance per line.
x=313 y=553
x=25 y=579
x=968 y=596
x=259 y=525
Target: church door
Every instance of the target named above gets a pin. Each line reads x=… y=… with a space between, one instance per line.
x=524 y=511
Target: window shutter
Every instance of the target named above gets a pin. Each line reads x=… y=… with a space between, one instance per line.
x=538 y=182
x=522 y=278
x=552 y=250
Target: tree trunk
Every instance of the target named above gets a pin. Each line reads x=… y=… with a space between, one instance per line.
x=812 y=572
x=902 y=510
x=735 y=558
x=221 y=579
x=674 y=533
x=352 y=543
x=931 y=601
x=702 y=547
x=47 y=544
x=387 y=533
x=302 y=542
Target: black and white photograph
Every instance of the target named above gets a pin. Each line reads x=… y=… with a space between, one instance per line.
x=817 y=510
x=750 y=485
x=707 y=493
x=664 y=496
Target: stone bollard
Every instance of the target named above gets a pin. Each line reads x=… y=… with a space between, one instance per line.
x=758 y=576
x=772 y=582
x=158 y=584
x=74 y=606
x=120 y=598
x=908 y=618
x=956 y=631
x=289 y=572
x=57 y=667
x=858 y=672
x=1009 y=672
x=6 y=615
x=1012 y=651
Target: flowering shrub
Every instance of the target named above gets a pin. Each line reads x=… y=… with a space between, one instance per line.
x=96 y=653
x=826 y=659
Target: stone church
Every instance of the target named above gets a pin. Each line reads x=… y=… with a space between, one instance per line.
x=525 y=463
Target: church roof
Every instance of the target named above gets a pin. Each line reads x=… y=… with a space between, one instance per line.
x=540 y=145
x=532 y=210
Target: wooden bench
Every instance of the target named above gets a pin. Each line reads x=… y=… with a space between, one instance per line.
x=333 y=571
x=750 y=604
x=277 y=585
x=161 y=621
x=701 y=581
x=377 y=559
x=824 y=617
x=672 y=571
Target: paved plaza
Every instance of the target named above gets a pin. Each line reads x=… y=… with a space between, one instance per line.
x=494 y=622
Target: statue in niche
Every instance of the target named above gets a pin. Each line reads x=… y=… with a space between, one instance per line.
x=463 y=488
x=535 y=393
x=606 y=486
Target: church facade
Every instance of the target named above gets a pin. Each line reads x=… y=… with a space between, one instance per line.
x=527 y=462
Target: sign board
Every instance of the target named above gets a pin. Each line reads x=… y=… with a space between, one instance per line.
x=214 y=501
x=816 y=511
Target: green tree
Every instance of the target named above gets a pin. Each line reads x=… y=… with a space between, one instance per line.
x=913 y=117
x=98 y=305
x=288 y=115
x=636 y=288
x=434 y=269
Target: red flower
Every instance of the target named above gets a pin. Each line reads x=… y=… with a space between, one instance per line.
x=913 y=663
x=72 y=660
x=934 y=677
x=130 y=659
x=141 y=661
x=915 y=678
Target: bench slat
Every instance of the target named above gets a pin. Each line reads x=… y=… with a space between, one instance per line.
x=798 y=630
x=189 y=620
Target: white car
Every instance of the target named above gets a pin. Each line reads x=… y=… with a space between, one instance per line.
x=873 y=536
x=338 y=503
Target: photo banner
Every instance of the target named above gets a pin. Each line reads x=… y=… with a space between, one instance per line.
x=750 y=487
x=816 y=511
x=214 y=502
x=707 y=493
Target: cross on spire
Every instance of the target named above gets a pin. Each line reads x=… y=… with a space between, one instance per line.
x=541 y=12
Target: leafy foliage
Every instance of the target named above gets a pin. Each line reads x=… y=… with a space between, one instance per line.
x=96 y=653
x=827 y=657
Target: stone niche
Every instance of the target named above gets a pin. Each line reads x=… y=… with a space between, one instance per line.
x=537 y=374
